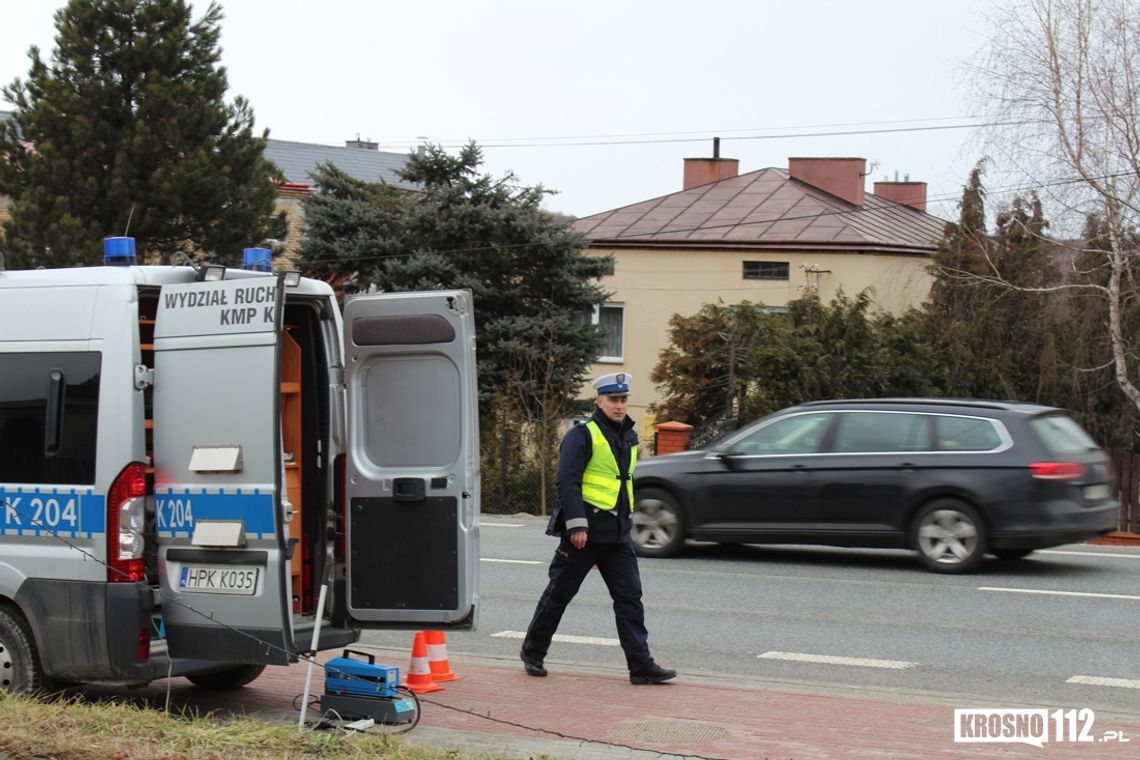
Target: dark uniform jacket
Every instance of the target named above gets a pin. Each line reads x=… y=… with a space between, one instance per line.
x=605 y=526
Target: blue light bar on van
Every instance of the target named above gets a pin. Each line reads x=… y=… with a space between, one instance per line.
x=119 y=251
x=257 y=259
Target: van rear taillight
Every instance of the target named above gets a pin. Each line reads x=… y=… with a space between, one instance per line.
x=126 y=521
x=1057 y=470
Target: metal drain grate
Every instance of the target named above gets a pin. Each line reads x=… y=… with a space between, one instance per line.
x=668 y=732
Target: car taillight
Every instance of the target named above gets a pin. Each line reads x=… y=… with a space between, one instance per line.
x=126 y=521
x=1056 y=470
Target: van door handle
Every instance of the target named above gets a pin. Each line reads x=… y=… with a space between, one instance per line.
x=53 y=423
x=408 y=489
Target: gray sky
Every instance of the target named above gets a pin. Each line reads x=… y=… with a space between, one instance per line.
x=602 y=100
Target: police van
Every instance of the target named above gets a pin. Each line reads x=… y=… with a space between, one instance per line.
x=204 y=471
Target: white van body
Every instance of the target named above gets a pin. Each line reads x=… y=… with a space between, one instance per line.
x=184 y=464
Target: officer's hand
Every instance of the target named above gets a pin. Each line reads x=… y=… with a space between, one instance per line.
x=578 y=539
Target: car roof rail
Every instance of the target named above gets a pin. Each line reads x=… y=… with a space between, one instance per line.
x=932 y=401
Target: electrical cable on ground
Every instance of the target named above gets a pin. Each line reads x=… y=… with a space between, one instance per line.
x=324 y=722
x=569 y=737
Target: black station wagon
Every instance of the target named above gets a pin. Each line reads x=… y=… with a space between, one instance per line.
x=952 y=479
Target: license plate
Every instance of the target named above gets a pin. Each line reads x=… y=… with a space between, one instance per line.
x=210 y=579
x=1098 y=492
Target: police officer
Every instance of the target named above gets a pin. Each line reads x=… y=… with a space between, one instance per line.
x=592 y=517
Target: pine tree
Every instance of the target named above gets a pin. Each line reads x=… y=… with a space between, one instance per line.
x=126 y=131
x=532 y=282
x=531 y=279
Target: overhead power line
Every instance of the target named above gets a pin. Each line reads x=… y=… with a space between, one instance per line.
x=659 y=138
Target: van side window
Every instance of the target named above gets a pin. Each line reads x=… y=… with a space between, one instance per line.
x=49 y=410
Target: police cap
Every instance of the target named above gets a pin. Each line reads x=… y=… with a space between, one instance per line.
x=613 y=384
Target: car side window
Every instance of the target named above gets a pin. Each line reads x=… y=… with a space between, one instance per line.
x=882 y=432
x=797 y=434
x=966 y=434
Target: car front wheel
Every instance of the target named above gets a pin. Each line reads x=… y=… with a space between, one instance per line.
x=949 y=537
x=658 y=528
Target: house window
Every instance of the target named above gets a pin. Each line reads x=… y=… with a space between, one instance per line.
x=610 y=319
x=765 y=270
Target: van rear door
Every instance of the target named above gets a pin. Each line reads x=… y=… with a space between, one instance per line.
x=412 y=469
x=218 y=472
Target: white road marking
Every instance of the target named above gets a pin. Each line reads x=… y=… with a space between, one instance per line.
x=1122 y=683
x=825 y=659
x=1129 y=597
x=513 y=561
x=565 y=639
x=1089 y=554
x=502 y=525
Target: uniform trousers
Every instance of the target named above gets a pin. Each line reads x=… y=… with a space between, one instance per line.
x=618 y=565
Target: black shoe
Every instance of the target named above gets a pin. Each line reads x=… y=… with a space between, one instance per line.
x=533 y=667
x=655 y=674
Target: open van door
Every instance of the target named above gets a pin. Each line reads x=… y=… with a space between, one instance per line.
x=412 y=469
x=219 y=513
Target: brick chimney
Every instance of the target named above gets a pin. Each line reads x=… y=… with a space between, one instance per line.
x=361 y=144
x=842 y=177
x=702 y=171
x=907 y=193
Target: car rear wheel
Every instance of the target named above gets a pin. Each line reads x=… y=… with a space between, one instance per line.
x=658 y=527
x=20 y=669
x=224 y=680
x=949 y=537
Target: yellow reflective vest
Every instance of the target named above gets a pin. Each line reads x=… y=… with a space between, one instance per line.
x=601 y=480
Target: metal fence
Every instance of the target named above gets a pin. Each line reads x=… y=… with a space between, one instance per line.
x=519 y=490
x=713 y=429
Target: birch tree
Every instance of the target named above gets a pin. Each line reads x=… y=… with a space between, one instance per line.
x=1060 y=81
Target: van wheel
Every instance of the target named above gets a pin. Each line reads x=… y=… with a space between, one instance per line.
x=20 y=669
x=223 y=680
x=658 y=527
x=949 y=537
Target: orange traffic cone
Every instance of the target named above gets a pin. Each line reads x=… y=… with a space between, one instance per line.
x=437 y=657
x=419 y=677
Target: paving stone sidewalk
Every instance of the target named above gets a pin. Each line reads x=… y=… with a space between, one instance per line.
x=580 y=713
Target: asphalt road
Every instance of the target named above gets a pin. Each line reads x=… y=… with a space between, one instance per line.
x=1059 y=629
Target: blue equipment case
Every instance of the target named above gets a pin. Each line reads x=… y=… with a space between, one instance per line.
x=351 y=677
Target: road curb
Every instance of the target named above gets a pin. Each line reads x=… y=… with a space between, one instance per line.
x=1117 y=538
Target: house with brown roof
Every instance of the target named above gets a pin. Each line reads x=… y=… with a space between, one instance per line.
x=298 y=161
x=767 y=236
